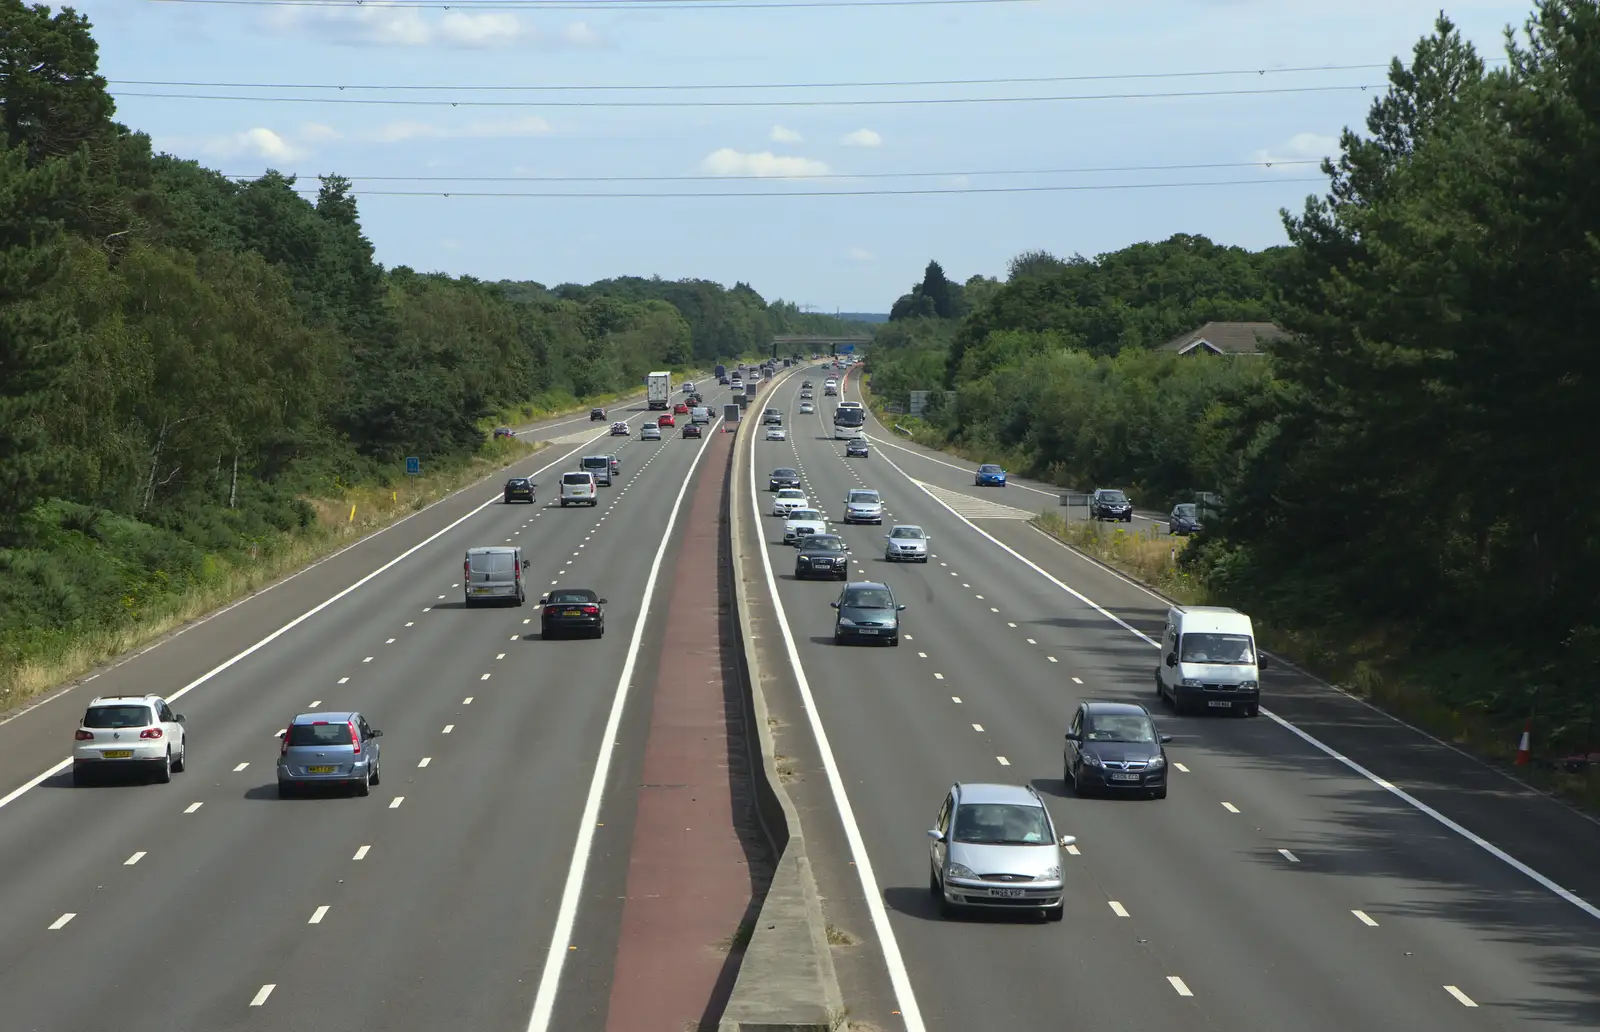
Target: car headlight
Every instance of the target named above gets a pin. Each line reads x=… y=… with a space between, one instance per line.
x=1090 y=759
x=1252 y=685
x=1192 y=682
x=1157 y=763
x=845 y=621
x=955 y=870
x=1053 y=874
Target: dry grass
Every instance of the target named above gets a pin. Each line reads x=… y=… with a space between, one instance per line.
x=1145 y=555
x=341 y=521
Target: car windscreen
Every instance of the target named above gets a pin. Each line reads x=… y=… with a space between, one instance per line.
x=861 y=497
x=118 y=716
x=493 y=562
x=574 y=478
x=517 y=482
x=849 y=417
x=791 y=492
x=824 y=544
x=1119 y=727
x=785 y=473
x=805 y=514
x=869 y=598
x=907 y=532
x=989 y=468
x=1187 y=510
x=1001 y=824
x=320 y=734
x=1114 y=497
x=1207 y=647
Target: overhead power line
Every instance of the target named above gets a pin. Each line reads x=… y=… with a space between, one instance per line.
x=816 y=176
x=852 y=102
x=864 y=84
x=604 y=5
x=565 y=195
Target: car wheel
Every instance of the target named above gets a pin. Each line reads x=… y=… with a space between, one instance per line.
x=1071 y=778
x=164 y=772
x=364 y=786
x=182 y=762
x=1056 y=912
x=563 y=503
x=933 y=885
x=377 y=773
x=838 y=639
x=894 y=642
x=1254 y=710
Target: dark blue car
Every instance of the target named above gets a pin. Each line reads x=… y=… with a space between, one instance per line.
x=989 y=475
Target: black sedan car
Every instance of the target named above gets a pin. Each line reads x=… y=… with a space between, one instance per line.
x=596 y=415
x=1185 y=519
x=1114 y=747
x=822 y=555
x=856 y=449
x=572 y=611
x=692 y=430
x=782 y=477
x=519 y=489
x=1108 y=503
x=867 y=612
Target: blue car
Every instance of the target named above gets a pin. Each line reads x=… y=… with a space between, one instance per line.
x=989 y=475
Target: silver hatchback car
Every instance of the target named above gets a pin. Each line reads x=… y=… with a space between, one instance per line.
x=906 y=541
x=338 y=748
x=996 y=846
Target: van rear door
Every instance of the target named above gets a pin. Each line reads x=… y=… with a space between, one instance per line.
x=493 y=573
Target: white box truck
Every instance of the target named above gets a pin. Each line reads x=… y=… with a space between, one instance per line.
x=660 y=390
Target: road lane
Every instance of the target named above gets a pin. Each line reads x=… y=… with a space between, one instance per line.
x=228 y=890
x=1196 y=879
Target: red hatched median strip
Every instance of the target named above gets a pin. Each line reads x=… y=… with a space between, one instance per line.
x=689 y=877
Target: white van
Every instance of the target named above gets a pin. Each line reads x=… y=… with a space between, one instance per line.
x=579 y=488
x=1209 y=661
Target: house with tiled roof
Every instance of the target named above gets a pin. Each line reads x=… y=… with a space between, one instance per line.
x=1225 y=338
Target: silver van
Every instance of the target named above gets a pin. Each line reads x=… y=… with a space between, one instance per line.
x=494 y=573
x=1209 y=661
x=578 y=488
x=700 y=414
x=600 y=466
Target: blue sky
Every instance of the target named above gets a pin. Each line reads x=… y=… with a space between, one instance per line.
x=853 y=253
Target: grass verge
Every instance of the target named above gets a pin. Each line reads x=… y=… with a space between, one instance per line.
x=1367 y=664
x=222 y=578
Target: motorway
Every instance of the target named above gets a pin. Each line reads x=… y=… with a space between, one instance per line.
x=209 y=904
x=1276 y=888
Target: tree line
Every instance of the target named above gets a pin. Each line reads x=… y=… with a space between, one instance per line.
x=1413 y=465
x=186 y=359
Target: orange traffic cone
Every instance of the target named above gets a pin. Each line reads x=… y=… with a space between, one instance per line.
x=1523 y=754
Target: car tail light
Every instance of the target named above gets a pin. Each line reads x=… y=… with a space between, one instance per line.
x=355 y=738
x=285 y=747
x=466 y=569
x=150 y=732
x=591 y=610
x=84 y=736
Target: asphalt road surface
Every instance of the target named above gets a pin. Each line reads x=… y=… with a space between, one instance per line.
x=209 y=904
x=1277 y=887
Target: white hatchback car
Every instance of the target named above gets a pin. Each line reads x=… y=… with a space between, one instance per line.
x=789 y=499
x=906 y=541
x=775 y=433
x=802 y=523
x=126 y=733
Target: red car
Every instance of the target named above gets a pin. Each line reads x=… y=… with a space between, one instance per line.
x=666 y=420
x=680 y=408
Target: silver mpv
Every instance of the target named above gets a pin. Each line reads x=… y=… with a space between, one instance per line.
x=328 y=748
x=996 y=846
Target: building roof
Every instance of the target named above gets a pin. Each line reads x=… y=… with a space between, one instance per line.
x=1226 y=338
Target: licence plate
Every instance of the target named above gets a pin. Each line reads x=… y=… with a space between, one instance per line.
x=1220 y=703
x=572 y=612
x=480 y=589
x=1007 y=893
x=867 y=630
x=1124 y=777
x=319 y=770
x=117 y=754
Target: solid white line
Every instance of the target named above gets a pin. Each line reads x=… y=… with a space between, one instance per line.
x=1177 y=983
x=1230 y=807
x=192 y=807
x=1361 y=915
x=1289 y=856
x=263 y=993
x=318 y=915
x=394 y=804
x=361 y=854
x=135 y=858
x=872 y=894
x=227 y=664
x=1461 y=997
x=1119 y=909
x=61 y=922
x=544 y=1000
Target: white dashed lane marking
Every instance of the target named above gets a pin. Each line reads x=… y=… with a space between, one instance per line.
x=192 y=807
x=61 y=922
x=394 y=804
x=262 y=994
x=1177 y=983
x=317 y=915
x=1361 y=915
x=1230 y=807
x=1461 y=997
x=361 y=854
x=135 y=858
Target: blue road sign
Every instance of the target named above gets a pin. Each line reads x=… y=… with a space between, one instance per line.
x=847 y=348
x=413 y=465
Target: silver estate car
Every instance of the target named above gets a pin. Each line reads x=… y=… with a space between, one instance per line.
x=337 y=748
x=995 y=846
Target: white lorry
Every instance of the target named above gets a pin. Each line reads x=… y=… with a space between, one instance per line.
x=660 y=390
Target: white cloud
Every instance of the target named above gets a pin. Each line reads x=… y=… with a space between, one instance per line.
x=862 y=138
x=252 y=143
x=780 y=134
x=1300 y=147
x=729 y=162
x=400 y=132
x=382 y=25
x=857 y=254
x=580 y=34
x=318 y=131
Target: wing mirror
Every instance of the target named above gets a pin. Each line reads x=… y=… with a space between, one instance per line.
x=525 y=563
x=180 y=718
x=936 y=834
x=543 y=600
x=834 y=604
x=1261 y=661
x=1069 y=736
x=1067 y=840
x=1172 y=659
x=604 y=601
x=1165 y=739
x=377 y=734
x=900 y=608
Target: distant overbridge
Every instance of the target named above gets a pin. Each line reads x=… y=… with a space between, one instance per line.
x=846 y=343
